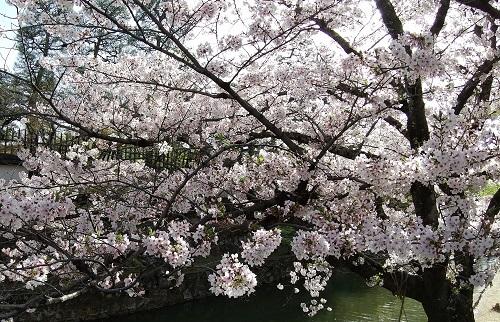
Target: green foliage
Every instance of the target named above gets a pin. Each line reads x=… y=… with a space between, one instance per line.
x=489 y=190
x=259 y=160
x=287 y=233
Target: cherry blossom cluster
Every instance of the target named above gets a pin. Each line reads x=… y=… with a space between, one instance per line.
x=310 y=245
x=422 y=62
x=260 y=246
x=314 y=307
x=315 y=274
x=174 y=250
x=232 y=278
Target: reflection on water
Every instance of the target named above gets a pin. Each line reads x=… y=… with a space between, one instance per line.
x=347 y=294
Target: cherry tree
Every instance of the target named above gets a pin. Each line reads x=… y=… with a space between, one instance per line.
x=370 y=129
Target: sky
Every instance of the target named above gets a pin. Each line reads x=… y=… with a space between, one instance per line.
x=7 y=22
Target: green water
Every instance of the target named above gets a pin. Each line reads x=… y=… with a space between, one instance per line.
x=347 y=294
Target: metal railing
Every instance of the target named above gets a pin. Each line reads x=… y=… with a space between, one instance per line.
x=12 y=140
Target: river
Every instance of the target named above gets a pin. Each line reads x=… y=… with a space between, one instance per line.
x=347 y=294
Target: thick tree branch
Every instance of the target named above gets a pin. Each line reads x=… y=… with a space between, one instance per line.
x=418 y=129
x=390 y=18
x=485 y=86
x=423 y=196
x=397 y=125
x=255 y=113
x=483 y=5
x=344 y=44
x=350 y=90
x=469 y=87
x=440 y=17
x=492 y=211
x=343 y=151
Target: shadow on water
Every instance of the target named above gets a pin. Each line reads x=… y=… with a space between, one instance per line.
x=347 y=294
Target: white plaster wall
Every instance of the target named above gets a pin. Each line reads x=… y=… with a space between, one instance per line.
x=9 y=172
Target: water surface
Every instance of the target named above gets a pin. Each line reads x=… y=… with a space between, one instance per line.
x=347 y=294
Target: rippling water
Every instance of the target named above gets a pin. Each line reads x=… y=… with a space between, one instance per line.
x=347 y=294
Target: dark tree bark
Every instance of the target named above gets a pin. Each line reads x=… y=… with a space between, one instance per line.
x=443 y=303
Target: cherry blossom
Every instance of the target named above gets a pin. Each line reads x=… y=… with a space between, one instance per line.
x=232 y=278
x=357 y=133
x=260 y=246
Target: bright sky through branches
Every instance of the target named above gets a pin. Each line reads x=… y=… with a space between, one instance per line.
x=8 y=54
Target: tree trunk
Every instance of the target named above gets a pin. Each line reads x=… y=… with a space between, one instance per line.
x=441 y=302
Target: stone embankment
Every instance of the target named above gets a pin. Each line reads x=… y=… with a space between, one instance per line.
x=488 y=309
x=160 y=293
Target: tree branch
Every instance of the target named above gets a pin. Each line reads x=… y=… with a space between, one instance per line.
x=472 y=83
x=390 y=18
x=440 y=17
x=323 y=27
x=397 y=125
x=482 y=5
x=492 y=211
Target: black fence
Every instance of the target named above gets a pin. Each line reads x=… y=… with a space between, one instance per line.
x=12 y=140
